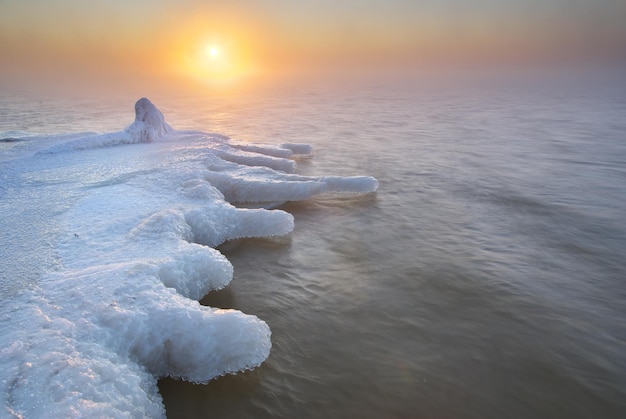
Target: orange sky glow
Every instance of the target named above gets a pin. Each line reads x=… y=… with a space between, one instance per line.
x=165 y=44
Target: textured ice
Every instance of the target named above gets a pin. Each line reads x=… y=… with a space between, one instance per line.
x=149 y=126
x=136 y=253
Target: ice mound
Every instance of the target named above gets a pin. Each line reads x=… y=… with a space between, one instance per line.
x=149 y=126
x=138 y=249
x=149 y=123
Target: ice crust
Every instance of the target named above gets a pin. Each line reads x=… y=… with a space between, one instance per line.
x=138 y=251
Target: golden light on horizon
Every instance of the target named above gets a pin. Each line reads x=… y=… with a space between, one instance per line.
x=211 y=54
x=226 y=45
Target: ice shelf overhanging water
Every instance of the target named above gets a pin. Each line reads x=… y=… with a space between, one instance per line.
x=136 y=254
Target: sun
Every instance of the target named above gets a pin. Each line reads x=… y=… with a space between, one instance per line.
x=213 y=59
x=203 y=54
x=213 y=51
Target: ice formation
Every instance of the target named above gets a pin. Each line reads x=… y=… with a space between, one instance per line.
x=137 y=251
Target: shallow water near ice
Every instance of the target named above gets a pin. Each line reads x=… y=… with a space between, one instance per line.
x=485 y=278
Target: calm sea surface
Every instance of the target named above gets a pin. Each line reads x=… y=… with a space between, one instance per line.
x=485 y=279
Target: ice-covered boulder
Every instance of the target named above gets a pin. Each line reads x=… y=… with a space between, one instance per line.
x=149 y=122
x=149 y=126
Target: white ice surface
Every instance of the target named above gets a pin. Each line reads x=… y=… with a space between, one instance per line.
x=137 y=251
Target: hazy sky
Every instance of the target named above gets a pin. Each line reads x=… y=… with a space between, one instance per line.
x=116 y=42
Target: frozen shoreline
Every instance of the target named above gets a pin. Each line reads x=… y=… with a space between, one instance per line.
x=135 y=253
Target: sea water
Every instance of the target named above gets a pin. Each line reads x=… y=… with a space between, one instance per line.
x=484 y=278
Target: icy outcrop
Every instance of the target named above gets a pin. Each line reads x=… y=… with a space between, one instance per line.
x=136 y=251
x=149 y=126
x=149 y=123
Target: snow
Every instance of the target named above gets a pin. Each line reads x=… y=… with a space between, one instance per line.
x=136 y=253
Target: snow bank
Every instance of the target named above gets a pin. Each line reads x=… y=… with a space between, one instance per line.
x=137 y=251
